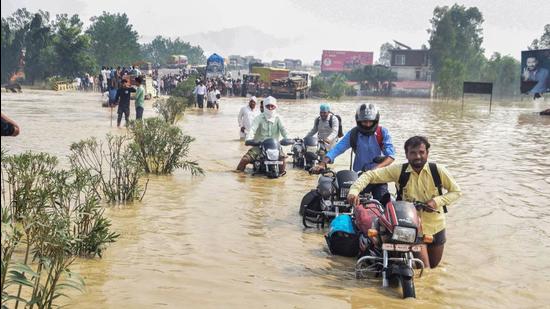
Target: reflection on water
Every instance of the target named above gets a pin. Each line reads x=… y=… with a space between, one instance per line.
x=232 y=240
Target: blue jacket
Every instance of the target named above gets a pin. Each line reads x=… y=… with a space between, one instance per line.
x=367 y=149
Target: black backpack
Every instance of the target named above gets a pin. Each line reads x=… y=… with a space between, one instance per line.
x=404 y=178
x=340 y=130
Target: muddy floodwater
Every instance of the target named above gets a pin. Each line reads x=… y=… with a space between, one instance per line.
x=232 y=240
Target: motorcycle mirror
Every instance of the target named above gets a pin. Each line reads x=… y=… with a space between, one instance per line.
x=379 y=159
x=251 y=142
x=287 y=142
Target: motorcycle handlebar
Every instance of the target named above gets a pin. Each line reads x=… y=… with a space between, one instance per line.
x=252 y=142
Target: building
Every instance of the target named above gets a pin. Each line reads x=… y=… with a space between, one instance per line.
x=413 y=69
x=411 y=64
x=293 y=64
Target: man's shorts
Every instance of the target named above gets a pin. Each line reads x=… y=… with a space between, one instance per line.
x=254 y=153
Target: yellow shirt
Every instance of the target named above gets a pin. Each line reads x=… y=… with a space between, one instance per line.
x=420 y=187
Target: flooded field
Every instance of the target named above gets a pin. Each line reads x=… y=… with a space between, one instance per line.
x=233 y=240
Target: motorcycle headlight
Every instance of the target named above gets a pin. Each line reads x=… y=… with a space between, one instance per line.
x=272 y=154
x=404 y=234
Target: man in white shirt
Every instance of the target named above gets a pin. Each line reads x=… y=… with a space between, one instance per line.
x=246 y=117
x=200 y=92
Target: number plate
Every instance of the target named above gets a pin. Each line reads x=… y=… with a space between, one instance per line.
x=273 y=162
x=401 y=247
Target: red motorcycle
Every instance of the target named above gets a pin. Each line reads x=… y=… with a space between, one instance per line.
x=389 y=234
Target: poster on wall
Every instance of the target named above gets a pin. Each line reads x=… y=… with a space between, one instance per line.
x=535 y=66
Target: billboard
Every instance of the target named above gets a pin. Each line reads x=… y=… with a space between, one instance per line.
x=535 y=66
x=342 y=61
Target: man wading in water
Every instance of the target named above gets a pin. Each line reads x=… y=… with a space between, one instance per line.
x=416 y=181
x=123 y=99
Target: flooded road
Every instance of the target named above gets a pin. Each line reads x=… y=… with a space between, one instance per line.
x=232 y=240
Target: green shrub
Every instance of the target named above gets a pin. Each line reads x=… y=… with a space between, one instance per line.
x=171 y=109
x=160 y=147
x=116 y=166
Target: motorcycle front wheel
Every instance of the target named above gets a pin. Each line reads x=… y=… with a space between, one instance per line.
x=407 y=284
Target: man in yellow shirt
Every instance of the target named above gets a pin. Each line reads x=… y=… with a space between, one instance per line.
x=419 y=187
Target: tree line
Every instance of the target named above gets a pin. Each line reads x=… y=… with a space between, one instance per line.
x=60 y=46
x=457 y=55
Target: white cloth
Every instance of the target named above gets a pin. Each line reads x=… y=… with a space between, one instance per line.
x=200 y=89
x=212 y=95
x=270 y=114
x=245 y=119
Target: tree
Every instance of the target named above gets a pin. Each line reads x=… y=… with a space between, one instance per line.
x=113 y=40
x=161 y=48
x=374 y=75
x=71 y=47
x=14 y=30
x=455 y=44
x=450 y=79
x=385 y=55
x=38 y=56
x=543 y=42
x=502 y=71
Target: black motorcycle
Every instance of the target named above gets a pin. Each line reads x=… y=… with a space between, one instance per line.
x=269 y=162
x=329 y=198
x=306 y=152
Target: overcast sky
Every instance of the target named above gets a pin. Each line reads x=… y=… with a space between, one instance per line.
x=303 y=28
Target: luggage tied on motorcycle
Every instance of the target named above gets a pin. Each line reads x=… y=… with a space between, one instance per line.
x=404 y=178
x=310 y=209
x=342 y=239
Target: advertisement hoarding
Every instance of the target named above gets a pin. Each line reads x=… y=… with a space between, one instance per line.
x=535 y=68
x=343 y=61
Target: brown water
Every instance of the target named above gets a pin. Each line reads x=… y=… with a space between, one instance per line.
x=230 y=240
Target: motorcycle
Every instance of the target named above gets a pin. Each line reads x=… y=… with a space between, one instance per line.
x=269 y=163
x=305 y=152
x=329 y=199
x=389 y=234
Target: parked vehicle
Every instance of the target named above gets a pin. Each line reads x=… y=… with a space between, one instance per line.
x=289 y=88
x=389 y=234
x=269 y=163
x=177 y=61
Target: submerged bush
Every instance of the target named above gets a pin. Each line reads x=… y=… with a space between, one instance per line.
x=55 y=216
x=171 y=109
x=115 y=165
x=160 y=148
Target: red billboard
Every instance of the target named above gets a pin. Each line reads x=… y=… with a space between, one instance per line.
x=341 y=61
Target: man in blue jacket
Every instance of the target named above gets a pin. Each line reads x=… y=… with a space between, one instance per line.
x=369 y=142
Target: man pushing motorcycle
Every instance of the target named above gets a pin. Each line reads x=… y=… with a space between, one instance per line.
x=418 y=181
x=267 y=125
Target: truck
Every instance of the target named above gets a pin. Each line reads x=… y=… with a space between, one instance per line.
x=177 y=61
x=267 y=74
x=290 y=88
x=215 y=66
